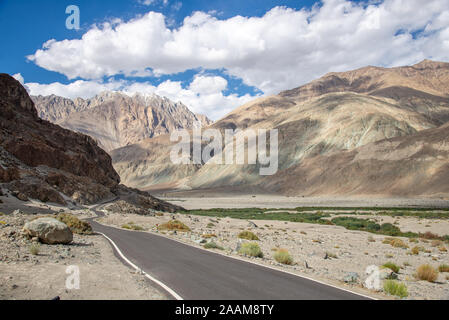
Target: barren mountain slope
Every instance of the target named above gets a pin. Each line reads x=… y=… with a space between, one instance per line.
x=401 y=166
x=319 y=119
x=115 y=119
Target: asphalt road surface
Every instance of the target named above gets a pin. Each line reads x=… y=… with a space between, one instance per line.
x=196 y=274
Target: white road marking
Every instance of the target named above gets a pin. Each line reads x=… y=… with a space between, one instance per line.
x=165 y=287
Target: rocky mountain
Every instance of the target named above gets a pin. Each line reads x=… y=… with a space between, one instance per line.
x=332 y=121
x=41 y=160
x=116 y=119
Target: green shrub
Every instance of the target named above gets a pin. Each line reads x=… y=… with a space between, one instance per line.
x=283 y=256
x=213 y=245
x=174 y=225
x=393 y=267
x=76 y=225
x=210 y=225
x=248 y=235
x=251 y=249
x=395 y=288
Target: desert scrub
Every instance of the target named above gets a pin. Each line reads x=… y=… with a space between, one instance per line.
x=436 y=243
x=393 y=267
x=76 y=225
x=283 y=256
x=413 y=240
x=210 y=225
x=395 y=288
x=251 y=249
x=174 y=225
x=132 y=226
x=426 y=272
x=417 y=249
x=212 y=245
x=3 y=222
x=443 y=268
x=248 y=235
x=34 y=249
x=210 y=235
x=395 y=242
x=442 y=248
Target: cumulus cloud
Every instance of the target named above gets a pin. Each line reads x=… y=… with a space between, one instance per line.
x=203 y=95
x=280 y=50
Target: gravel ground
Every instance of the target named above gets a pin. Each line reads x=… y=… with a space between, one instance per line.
x=24 y=276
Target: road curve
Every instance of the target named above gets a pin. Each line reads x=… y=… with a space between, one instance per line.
x=196 y=274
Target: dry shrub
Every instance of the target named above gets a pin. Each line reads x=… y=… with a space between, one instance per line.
x=426 y=272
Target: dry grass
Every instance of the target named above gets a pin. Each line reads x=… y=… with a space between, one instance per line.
x=443 y=268
x=436 y=243
x=248 y=235
x=132 y=226
x=395 y=242
x=210 y=235
x=174 y=225
x=76 y=225
x=417 y=249
x=426 y=272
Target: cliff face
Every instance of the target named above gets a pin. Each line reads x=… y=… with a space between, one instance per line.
x=43 y=161
x=115 y=119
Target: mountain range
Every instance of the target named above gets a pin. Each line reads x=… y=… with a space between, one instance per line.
x=371 y=131
x=115 y=119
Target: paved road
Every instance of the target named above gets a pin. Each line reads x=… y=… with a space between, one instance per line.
x=196 y=274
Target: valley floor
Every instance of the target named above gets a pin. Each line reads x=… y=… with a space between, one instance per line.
x=207 y=200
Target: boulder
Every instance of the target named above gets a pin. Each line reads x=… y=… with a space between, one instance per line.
x=49 y=231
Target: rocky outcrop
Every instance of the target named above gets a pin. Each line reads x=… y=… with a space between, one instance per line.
x=115 y=119
x=49 y=231
x=40 y=160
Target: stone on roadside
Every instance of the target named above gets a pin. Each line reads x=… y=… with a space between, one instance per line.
x=49 y=231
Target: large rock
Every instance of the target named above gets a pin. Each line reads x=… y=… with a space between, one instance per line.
x=49 y=231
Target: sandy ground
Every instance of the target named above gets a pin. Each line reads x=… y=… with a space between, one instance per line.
x=195 y=201
x=308 y=244
x=25 y=276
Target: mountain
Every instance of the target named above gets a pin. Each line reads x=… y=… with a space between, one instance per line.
x=328 y=119
x=115 y=119
x=41 y=160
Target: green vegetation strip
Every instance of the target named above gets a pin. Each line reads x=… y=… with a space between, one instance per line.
x=317 y=217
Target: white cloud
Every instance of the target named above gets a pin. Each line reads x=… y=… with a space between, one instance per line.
x=280 y=50
x=199 y=97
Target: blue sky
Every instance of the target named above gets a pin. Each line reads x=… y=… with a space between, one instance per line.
x=202 y=53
